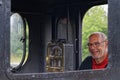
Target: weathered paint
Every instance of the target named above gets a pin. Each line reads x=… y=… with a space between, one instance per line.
x=112 y=72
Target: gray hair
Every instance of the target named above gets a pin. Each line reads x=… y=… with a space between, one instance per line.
x=102 y=35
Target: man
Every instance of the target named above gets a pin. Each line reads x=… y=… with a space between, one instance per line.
x=98 y=48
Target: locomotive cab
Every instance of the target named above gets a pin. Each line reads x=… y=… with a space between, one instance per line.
x=47 y=36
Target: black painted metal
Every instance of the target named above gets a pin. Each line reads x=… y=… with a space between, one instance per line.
x=0 y=3
x=38 y=45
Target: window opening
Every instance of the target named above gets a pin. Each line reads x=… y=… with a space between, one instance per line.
x=95 y=20
x=18 y=41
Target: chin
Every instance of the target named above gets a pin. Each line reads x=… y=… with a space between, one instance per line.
x=96 y=57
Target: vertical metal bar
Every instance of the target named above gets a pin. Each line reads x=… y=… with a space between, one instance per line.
x=78 y=37
x=67 y=22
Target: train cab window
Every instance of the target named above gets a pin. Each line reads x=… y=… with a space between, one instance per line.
x=18 y=41
x=62 y=29
x=95 y=20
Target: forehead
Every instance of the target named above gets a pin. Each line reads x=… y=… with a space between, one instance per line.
x=95 y=38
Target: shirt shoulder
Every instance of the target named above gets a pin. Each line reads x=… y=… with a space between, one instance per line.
x=86 y=64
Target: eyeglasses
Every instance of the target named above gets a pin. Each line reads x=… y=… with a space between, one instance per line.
x=95 y=44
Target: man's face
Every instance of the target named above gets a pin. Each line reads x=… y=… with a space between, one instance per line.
x=97 y=46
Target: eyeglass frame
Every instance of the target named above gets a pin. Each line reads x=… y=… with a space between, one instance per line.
x=96 y=44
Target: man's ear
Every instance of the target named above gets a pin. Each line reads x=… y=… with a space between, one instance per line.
x=106 y=42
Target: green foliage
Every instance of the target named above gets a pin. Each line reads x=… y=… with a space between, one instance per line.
x=16 y=36
x=95 y=20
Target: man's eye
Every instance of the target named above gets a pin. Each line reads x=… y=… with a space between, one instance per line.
x=89 y=44
x=96 y=43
